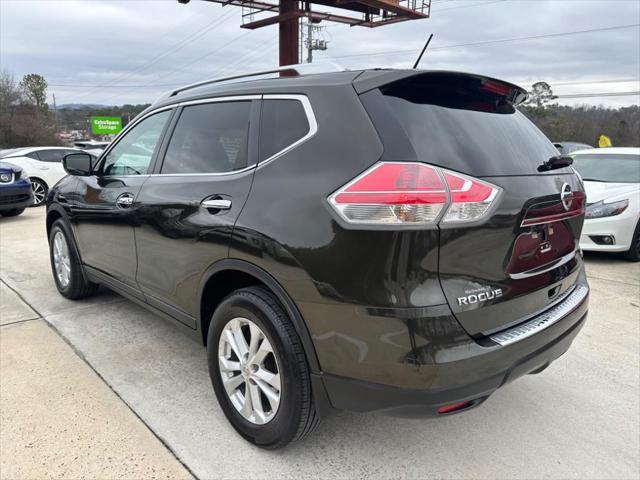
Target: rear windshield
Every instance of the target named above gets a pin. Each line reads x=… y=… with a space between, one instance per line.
x=9 y=152
x=468 y=130
x=608 y=168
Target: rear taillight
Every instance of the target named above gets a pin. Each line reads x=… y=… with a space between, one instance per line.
x=403 y=193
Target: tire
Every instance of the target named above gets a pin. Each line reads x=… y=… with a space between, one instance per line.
x=633 y=254
x=69 y=276
x=14 y=212
x=295 y=415
x=40 y=191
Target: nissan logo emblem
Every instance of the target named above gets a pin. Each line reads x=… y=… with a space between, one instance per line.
x=566 y=196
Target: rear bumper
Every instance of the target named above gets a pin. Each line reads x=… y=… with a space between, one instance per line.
x=473 y=377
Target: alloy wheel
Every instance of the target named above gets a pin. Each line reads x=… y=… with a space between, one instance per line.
x=249 y=371
x=39 y=192
x=61 y=260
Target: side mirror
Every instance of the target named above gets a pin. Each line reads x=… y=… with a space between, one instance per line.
x=78 y=164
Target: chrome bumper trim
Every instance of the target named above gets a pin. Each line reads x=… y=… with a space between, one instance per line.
x=544 y=268
x=544 y=320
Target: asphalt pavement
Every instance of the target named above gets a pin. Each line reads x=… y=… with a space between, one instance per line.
x=578 y=419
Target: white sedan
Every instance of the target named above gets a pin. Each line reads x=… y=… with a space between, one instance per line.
x=43 y=165
x=612 y=181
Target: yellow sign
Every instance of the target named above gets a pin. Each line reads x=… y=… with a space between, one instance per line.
x=604 y=142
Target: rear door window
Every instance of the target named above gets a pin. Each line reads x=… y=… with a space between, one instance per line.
x=283 y=123
x=209 y=138
x=51 y=155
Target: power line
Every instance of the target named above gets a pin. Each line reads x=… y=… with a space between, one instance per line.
x=175 y=84
x=262 y=49
x=79 y=85
x=181 y=44
x=602 y=94
x=188 y=64
x=186 y=41
x=437 y=10
x=588 y=82
x=489 y=42
x=247 y=58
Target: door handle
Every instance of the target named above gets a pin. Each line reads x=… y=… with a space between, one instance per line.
x=217 y=204
x=125 y=200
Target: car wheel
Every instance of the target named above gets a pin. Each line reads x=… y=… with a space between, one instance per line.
x=66 y=268
x=40 y=191
x=14 y=212
x=259 y=370
x=633 y=254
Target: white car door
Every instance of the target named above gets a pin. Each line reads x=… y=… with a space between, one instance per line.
x=49 y=165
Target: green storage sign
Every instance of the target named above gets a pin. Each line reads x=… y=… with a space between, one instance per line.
x=106 y=125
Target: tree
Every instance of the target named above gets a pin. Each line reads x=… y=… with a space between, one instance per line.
x=10 y=94
x=34 y=87
x=24 y=117
x=585 y=124
x=540 y=94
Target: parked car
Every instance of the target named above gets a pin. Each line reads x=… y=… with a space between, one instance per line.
x=94 y=147
x=565 y=148
x=342 y=240
x=612 y=181
x=91 y=144
x=43 y=165
x=15 y=190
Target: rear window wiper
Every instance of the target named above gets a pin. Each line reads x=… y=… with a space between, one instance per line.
x=592 y=180
x=559 y=161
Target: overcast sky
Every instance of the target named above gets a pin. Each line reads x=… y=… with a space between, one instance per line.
x=130 y=51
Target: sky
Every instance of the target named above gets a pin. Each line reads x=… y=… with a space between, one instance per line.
x=131 y=51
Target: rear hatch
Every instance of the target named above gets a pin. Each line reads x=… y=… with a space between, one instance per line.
x=519 y=257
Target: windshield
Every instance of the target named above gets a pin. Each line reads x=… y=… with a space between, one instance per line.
x=608 y=168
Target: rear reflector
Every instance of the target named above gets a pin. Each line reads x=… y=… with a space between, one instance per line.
x=404 y=193
x=454 y=407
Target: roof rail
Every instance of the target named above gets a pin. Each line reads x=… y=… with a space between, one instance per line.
x=299 y=69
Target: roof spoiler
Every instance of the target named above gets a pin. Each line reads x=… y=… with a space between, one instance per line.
x=382 y=78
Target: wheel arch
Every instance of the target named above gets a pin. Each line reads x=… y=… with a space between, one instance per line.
x=54 y=213
x=246 y=273
x=40 y=179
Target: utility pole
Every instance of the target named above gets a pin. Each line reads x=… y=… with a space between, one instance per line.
x=55 y=114
x=309 y=42
x=309 y=38
x=55 y=108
